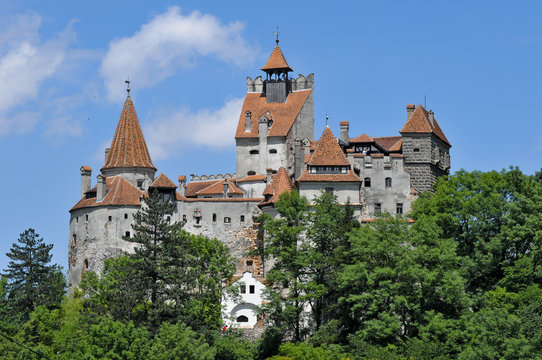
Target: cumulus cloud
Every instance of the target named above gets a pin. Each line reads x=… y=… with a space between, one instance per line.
x=25 y=64
x=168 y=42
x=169 y=134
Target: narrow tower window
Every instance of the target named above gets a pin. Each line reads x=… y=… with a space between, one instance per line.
x=388 y=182
x=367 y=182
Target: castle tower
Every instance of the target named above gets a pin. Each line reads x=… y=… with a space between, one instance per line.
x=426 y=149
x=104 y=214
x=275 y=112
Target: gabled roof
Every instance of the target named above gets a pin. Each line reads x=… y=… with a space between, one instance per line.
x=163 y=182
x=283 y=114
x=280 y=183
x=276 y=61
x=255 y=177
x=218 y=188
x=328 y=152
x=387 y=142
x=363 y=138
x=194 y=186
x=419 y=122
x=118 y=192
x=128 y=148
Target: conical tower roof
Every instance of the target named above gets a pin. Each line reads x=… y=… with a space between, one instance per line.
x=276 y=61
x=328 y=152
x=128 y=149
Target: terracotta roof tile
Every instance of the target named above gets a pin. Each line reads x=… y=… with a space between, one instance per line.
x=349 y=177
x=162 y=181
x=181 y=178
x=194 y=186
x=85 y=167
x=239 y=199
x=218 y=188
x=276 y=61
x=328 y=151
x=363 y=138
x=387 y=142
x=128 y=148
x=283 y=114
x=398 y=146
x=307 y=158
x=280 y=183
x=344 y=123
x=419 y=122
x=396 y=155
x=256 y=177
x=378 y=156
x=118 y=192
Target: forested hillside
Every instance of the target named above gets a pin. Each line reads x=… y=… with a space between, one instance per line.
x=459 y=279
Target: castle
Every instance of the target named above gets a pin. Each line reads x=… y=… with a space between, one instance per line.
x=275 y=152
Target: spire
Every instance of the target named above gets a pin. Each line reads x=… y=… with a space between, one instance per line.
x=328 y=151
x=276 y=61
x=128 y=148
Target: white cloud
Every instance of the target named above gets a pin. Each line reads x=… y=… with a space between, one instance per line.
x=170 y=41
x=25 y=64
x=168 y=134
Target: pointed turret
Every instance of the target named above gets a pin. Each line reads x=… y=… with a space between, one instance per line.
x=276 y=86
x=276 y=62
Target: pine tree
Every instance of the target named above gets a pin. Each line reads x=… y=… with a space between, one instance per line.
x=32 y=281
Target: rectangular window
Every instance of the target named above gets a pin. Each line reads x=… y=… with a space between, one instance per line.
x=214 y=218
x=184 y=218
x=243 y=289
x=86 y=217
x=329 y=190
x=126 y=216
x=140 y=184
x=378 y=208
x=399 y=208
x=252 y=289
x=242 y=218
x=110 y=218
x=227 y=220
x=127 y=234
x=77 y=220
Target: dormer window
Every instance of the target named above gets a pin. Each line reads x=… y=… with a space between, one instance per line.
x=140 y=184
x=328 y=169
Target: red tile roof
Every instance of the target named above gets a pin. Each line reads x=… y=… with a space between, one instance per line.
x=344 y=123
x=398 y=146
x=162 y=181
x=328 y=151
x=118 y=192
x=256 y=177
x=363 y=138
x=182 y=178
x=283 y=114
x=85 y=167
x=194 y=186
x=348 y=177
x=419 y=122
x=387 y=142
x=280 y=183
x=218 y=188
x=238 y=199
x=128 y=148
x=276 y=61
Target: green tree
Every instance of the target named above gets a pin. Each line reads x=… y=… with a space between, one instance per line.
x=177 y=341
x=32 y=281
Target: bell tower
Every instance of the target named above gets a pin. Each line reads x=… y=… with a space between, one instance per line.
x=276 y=86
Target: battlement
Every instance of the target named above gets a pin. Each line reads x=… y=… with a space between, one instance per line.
x=211 y=177
x=296 y=84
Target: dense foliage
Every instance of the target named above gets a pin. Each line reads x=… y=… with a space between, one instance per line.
x=461 y=279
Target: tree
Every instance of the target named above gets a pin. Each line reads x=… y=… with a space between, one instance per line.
x=32 y=281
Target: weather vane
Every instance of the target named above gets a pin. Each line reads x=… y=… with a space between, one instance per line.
x=277 y=35
x=127 y=81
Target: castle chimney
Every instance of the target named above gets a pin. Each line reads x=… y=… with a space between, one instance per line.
x=299 y=158
x=225 y=189
x=182 y=185
x=107 y=154
x=409 y=110
x=248 y=121
x=86 y=171
x=432 y=117
x=345 y=125
x=269 y=175
x=100 y=188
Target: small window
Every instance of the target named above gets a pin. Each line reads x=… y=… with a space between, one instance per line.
x=242 y=218
x=168 y=218
x=242 y=318
x=251 y=173
x=273 y=151
x=74 y=237
x=249 y=262
x=184 y=218
x=367 y=182
x=127 y=234
x=86 y=217
x=329 y=190
x=378 y=208
x=227 y=220
x=252 y=289
x=214 y=218
x=285 y=284
x=110 y=218
x=243 y=289
x=85 y=265
x=416 y=149
x=197 y=220
x=399 y=208
x=140 y=184
x=126 y=216
x=253 y=152
x=388 y=182
x=77 y=220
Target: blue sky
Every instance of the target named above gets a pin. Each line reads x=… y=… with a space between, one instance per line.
x=63 y=66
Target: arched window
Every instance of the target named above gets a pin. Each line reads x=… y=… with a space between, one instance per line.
x=388 y=182
x=253 y=152
x=242 y=318
x=367 y=182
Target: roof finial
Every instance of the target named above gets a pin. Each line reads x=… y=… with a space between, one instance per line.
x=277 y=35
x=327 y=120
x=127 y=81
